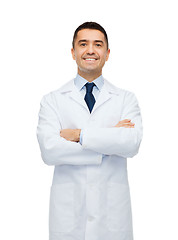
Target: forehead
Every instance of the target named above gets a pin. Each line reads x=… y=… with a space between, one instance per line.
x=90 y=35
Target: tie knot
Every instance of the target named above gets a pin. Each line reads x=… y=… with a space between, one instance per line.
x=89 y=87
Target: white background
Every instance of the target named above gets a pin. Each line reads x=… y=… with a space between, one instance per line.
x=35 y=59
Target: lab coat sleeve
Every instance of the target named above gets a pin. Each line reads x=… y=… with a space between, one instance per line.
x=81 y=135
x=118 y=141
x=55 y=150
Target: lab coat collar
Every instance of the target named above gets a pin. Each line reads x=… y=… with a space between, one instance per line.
x=80 y=82
x=106 y=93
x=70 y=86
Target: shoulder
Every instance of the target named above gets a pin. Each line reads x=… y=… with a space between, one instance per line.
x=52 y=95
x=116 y=90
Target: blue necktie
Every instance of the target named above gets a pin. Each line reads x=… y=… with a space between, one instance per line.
x=89 y=98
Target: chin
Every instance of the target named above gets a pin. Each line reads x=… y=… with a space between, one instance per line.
x=91 y=70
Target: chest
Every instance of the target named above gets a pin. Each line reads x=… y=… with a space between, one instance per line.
x=73 y=114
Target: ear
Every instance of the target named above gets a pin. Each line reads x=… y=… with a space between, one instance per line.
x=107 y=55
x=73 y=53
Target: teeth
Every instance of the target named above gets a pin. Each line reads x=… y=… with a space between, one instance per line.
x=90 y=59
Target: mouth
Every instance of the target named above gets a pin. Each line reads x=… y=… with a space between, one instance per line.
x=90 y=59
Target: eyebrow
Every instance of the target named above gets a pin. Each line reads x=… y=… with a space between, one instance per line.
x=96 y=41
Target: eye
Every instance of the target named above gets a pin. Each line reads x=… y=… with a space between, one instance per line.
x=83 y=44
x=98 y=44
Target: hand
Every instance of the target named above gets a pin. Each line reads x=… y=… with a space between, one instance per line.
x=125 y=123
x=71 y=134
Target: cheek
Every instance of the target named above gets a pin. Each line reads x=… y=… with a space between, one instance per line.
x=103 y=55
x=78 y=55
x=103 y=58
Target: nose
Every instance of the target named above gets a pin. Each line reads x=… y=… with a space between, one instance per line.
x=90 y=49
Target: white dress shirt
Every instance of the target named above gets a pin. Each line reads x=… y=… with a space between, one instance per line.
x=80 y=84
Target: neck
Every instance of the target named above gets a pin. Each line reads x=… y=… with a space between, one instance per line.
x=88 y=76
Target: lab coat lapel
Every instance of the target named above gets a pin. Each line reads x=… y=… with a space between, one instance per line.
x=77 y=97
x=102 y=98
x=106 y=93
x=72 y=92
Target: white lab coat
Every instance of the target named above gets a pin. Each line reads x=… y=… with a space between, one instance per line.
x=90 y=198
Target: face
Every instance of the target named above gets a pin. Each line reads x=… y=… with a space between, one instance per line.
x=90 y=52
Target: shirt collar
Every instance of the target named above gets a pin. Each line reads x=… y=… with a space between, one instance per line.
x=80 y=82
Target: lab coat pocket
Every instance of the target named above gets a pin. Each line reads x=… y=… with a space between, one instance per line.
x=61 y=213
x=119 y=216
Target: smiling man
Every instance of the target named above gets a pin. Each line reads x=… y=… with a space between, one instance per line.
x=90 y=50
x=87 y=129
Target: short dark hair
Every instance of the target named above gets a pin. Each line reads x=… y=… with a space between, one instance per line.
x=90 y=25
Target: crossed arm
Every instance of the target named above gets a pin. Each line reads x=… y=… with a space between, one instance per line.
x=74 y=134
x=60 y=146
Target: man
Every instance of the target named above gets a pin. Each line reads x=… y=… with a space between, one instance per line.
x=87 y=129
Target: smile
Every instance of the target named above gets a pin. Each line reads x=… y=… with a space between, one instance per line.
x=90 y=59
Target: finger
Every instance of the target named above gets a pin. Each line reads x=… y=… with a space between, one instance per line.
x=125 y=121
x=129 y=126
x=129 y=123
x=125 y=125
